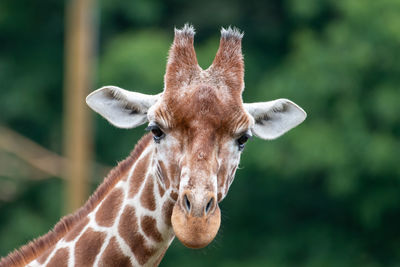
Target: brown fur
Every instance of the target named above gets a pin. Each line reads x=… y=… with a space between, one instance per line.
x=140 y=174
x=71 y=235
x=229 y=62
x=205 y=106
x=128 y=229
x=222 y=173
x=174 y=195
x=113 y=256
x=174 y=173
x=42 y=259
x=88 y=246
x=161 y=190
x=60 y=259
x=202 y=109
x=147 y=198
x=108 y=210
x=167 y=211
x=149 y=226
x=182 y=62
x=219 y=197
x=36 y=247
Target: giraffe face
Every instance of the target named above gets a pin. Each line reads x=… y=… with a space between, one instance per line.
x=199 y=136
x=200 y=125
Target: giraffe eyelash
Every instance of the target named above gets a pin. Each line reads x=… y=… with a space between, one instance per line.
x=158 y=134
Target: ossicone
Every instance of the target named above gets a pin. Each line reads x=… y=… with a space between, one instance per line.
x=228 y=62
x=182 y=61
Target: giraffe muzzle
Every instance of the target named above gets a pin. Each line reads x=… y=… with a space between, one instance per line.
x=196 y=218
x=197 y=208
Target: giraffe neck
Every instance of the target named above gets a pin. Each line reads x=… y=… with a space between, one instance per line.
x=130 y=226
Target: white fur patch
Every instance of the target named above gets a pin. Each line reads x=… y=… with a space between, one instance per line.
x=274 y=118
x=122 y=108
x=231 y=33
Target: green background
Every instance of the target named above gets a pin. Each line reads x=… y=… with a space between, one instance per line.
x=325 y=194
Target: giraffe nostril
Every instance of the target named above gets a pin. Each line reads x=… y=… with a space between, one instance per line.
x=209 y=205
x=186 y=203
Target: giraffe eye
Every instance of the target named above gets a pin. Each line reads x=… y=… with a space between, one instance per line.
x=158 y=134
x=242 y=140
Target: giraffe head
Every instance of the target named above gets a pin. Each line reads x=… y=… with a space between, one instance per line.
x=200 y=126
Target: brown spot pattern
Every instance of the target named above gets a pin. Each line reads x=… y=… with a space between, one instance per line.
x=108 y=210
x=87 y=247
x=128 y=230
x=138 y=176
x=147 y=198
x=227 y=63
x=113 y=256
x=174 y=195
x=149 y=227
x=76 y=230
x=167 y=211
x=31 y=251
x=160 y=189
x=60 y=259
x=45 y=255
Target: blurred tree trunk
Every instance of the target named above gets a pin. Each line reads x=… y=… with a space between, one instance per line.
x=79 y=46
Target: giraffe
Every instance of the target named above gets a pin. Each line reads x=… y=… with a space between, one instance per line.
x=177 y=174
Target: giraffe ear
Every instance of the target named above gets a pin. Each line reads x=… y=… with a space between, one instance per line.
x=122 y=108
x=274 y=118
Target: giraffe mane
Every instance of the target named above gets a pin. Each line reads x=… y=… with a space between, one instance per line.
x=36 y=247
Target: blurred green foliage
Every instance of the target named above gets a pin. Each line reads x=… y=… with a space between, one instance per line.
x=325 y=194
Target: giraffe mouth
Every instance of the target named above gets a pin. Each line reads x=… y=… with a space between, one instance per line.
x=193 y=231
